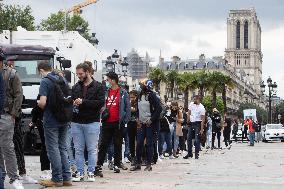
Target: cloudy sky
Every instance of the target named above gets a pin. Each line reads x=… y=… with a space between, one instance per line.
x=185 y=28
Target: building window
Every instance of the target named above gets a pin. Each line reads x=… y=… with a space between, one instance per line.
x=246 y=35
x=238 y=35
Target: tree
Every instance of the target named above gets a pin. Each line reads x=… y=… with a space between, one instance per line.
x=171 y=79
x=15 y=15
x=202 y=82
x=208 y=104
x=56 y=22
x=186 y=82
x=157 y=76
x=216 y=79
x=261 y=114
x=227 y=81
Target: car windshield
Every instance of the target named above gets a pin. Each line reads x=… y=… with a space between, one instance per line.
x=274 y=127
x=27 y=70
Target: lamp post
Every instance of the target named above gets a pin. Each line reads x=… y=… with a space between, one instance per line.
x=271 y=89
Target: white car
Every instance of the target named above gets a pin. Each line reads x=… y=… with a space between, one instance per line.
x=273 y=132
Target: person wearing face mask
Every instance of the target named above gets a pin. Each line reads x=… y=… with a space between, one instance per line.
x=114 y=118
x=149 y=110
x=88 y=96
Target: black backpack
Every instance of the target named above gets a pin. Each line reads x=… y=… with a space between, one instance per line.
x=60 y=102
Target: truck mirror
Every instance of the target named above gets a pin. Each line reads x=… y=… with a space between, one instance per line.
x=65 y=63
x=67 y=75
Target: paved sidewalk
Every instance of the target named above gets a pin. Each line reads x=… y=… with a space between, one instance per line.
x=242 y=167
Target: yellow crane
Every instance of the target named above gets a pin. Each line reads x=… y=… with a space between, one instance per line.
x=77 y=8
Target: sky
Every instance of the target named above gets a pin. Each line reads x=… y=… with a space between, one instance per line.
x=185 y=28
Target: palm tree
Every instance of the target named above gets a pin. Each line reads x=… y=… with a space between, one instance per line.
x=171 y=79
x=157 y=76
x=202 y=81
x=185 y=82
x=227 y=81
x=216 y=79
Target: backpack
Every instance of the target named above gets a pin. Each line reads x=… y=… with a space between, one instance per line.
x=254 y=126
x=60 y=103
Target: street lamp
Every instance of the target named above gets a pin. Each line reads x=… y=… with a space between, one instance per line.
x=110 y=65
x=93 y=40
x=271 y=91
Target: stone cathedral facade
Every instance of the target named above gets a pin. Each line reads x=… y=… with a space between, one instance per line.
x=243 y=50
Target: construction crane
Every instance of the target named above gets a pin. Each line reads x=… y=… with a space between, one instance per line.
x=77 y=8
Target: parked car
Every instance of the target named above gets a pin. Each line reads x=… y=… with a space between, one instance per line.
x=273 y=132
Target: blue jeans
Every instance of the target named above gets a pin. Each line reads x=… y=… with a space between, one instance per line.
x=70 y=147
x=142 y=133
x=165 y=137
x=251 y=138
x=194 y=130
x=85 y=134
x=56 y=147
x=174 y=138
x=126 y=142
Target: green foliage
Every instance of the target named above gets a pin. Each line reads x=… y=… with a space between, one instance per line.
x=208 y=104
x=157 y=75
x=261 y=114
x=56 y=22
x=14 y=15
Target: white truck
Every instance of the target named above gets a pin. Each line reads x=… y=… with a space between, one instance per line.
x=64 y=50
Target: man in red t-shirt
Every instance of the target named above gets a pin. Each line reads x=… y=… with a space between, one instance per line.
x=249 y=122
x=118 y=105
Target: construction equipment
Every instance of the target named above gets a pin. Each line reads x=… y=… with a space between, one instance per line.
x=77 y=9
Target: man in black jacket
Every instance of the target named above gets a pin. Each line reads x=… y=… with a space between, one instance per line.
x=88 y=96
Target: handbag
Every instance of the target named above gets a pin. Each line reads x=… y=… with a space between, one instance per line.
x=105 y=113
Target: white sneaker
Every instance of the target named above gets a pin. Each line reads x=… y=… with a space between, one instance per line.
x=17 y=184
x=91 y=177
x=46 y=175
x=78 y=178
x=28 y=180
x=171 y=157
x=161 y=157
x=126 y=160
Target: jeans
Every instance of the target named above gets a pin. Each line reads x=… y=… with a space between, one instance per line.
x=142 y=133
x=44 y=161
x=252 y=138
x=126 y=142
x=110 y=131
x=193 y=131
x=218 y=133
x=209 y=137
x=56 y=147
x=19 y=150
x=132 y=127
x=70 y=147
x=174 y=137
x=7 y=150
x=245 y=134
x=258 y=136
x=165 y=137
x=85 y=135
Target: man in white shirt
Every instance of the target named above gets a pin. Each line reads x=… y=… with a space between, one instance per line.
x=196 y=125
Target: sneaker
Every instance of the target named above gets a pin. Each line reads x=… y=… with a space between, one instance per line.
x=17 y=184
x=50 y=183
x=188 y=156
x=122 y=166
x=28 y=180
x=161 y=157
x=196 y=156
x=116 y=169
x=110 y=165
x=171 y=157
x=148 y=168
x=91 y=177
x=45 y=175
x=137 y=167
x=67 y=183
x=78 y=178
x=98 y=172
x=126 y=160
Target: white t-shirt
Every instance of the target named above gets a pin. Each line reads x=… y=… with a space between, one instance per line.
x=196 y=112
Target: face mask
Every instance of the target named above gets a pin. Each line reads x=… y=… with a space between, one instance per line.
x=108 y=85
